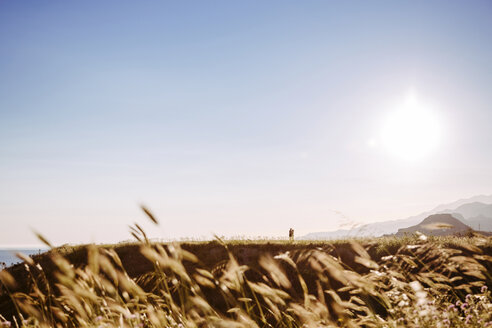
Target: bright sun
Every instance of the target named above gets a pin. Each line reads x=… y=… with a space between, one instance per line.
x=411 y=131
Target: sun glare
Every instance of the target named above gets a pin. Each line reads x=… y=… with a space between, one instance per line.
x=411 y=132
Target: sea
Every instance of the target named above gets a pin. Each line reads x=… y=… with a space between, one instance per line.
x=8 y=258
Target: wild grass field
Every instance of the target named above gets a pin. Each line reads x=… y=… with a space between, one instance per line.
x=414 y=281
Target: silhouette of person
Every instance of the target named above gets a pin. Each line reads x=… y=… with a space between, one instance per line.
x=291 y=234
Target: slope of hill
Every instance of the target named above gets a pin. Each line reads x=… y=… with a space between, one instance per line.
x=437 y=225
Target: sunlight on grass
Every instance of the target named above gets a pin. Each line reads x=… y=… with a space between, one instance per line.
x=383 y=282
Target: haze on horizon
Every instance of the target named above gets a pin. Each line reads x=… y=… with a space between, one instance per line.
x=239 y=119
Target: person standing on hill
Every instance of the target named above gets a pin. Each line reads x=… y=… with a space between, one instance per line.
x=291 y=234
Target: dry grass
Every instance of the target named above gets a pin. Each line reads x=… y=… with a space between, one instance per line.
x=386 y=282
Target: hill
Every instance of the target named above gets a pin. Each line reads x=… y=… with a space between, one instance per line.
x=437 y=225
x=394 y=282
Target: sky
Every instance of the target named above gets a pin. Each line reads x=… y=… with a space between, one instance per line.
x=238 y=118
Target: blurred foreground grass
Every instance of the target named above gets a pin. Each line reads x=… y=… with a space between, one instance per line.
x=414 y=281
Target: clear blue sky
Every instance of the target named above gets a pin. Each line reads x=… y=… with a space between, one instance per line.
x=235 y=118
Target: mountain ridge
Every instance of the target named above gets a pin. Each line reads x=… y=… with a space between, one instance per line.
x=390 y=227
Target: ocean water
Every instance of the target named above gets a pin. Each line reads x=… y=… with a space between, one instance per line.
x=7 y=255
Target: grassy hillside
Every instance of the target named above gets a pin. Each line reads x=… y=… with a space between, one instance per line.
x=413 y=281
x=385 y=282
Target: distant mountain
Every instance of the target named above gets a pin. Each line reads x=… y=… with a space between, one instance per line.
x=486 y=199
x=481 y=223
x=473 y=211
x=437 y=225
x=478 y=215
